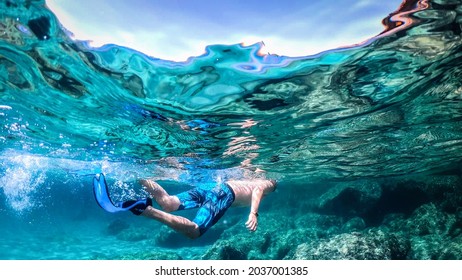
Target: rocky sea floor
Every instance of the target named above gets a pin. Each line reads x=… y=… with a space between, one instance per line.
x=414 y=218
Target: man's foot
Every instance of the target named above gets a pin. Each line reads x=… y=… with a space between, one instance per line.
x=101 y=192
x=135 y=206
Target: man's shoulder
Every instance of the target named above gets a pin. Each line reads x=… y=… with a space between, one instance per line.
x=252 y=184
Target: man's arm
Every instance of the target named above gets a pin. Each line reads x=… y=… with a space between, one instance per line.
x=252 y=221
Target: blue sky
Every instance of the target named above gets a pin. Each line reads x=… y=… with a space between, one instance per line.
x=178 y=29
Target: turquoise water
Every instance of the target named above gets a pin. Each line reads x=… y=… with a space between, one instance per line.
x=388 y=110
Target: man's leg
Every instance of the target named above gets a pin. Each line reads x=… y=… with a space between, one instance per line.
x=169 y=203
x=179 y=224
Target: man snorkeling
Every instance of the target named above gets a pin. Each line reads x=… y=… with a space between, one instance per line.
x=211 y=201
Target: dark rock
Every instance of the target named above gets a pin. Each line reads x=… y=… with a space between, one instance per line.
x=372 y=201
x=397 y=197
x=405 y=195
x=350 y=199
x=445 y=191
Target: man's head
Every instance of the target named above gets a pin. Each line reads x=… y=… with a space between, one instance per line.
x=274 y=184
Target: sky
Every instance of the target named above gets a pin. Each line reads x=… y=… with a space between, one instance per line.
x=179 y=29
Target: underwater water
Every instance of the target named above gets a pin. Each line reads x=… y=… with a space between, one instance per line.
x=365 y=142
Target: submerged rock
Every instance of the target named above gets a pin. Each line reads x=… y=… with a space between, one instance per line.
x=225 y=250
x=444 y=191
x=374 y=200
x=371 y=245
x=435 y=234
x=456 y=228
x=428 y=219
x=407 y=194
x=425 y=247
x=397 y=197
x=117 y=226
x=132 y=234
x=354 y=224
x=436 y=247
x=452 y=250
x=350 y=199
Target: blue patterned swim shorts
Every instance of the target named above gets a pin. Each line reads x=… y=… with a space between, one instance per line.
x=212 y=204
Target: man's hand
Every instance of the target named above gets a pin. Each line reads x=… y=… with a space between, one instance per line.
x=252 y=222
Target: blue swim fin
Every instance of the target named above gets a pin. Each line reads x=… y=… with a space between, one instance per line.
x=101 y=192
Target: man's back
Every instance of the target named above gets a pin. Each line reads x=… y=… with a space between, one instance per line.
x=243 y=190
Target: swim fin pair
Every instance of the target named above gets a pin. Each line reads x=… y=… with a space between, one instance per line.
x=101 y=192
